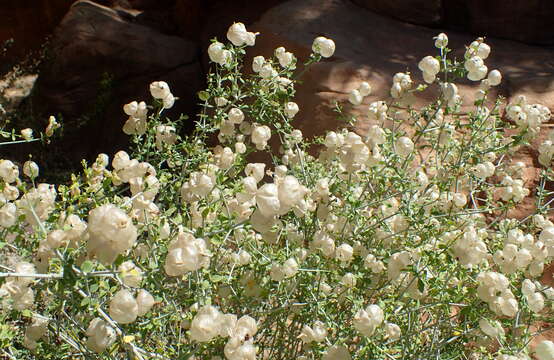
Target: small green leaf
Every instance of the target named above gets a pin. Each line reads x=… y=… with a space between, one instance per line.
x=87 y=266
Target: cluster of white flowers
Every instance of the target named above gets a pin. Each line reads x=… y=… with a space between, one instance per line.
x=37 y=203
x=160 y=91
x=72 y=234
x=519 y=252
x=238 y=35
x=366 y=321
x=111 y=232
x=218 y=54
x=138 y=115
x=401 y=84
x=546 y=150
x=494 y=289
x=535 y=299
x=165 y=134
x=260 y=135
x=200 y=185
x=283 y=271
x=474 y=55
x=286 y=58
x=186 y=253
x=209 y=322
x=484 y=170
x=527 y=116
x=16 y=293
x=469 y=248
x=125 y=308
x=356 y=96
x=323 y=46
x=513 y=189
x=430 y=67
x=316 y=333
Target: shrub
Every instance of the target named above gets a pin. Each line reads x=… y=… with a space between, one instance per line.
x=392 y=245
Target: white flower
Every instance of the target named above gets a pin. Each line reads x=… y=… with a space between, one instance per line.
x=220 y=101
x=8 y=215
x=348 y=280
x=145 y=301
x=364 y=88
x=545 y=350
x=218 y=54
x=238 y=349
x=366 y=321
x=285 y=57
x=404 y=146
x=159 y=90
x=290 y=192
x=238 y=35
x=256 y=170
x=130 y=274
x=493 y=329
x=323 y=46
x=186 y=253
x=257 y=63
x=100 y=335
x=401 y=83
x=441 y=41
x=494 y=77
x=165 y=134
x=336 y=352
x=260 y=136
x=429 y=65
x=52 y=126
x=206 y=324
x=267 y=199
x=392 y=331
x=111 y=232
x=123 y=307
x=344 y=253
x=8 y=171
x=267 y=71
x=235 y=115
x=483 y=50
x=291 y=109
x=355 y=97
x=27 y=134
x=317 y=332
x=478 y=74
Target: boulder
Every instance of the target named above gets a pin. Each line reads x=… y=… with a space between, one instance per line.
x=372 y=48
x=102 y=58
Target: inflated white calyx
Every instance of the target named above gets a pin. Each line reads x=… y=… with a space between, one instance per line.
x=123 y=307
x=111 y=232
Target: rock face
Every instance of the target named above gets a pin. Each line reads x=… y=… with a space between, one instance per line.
x=102 y=58
x=521 y=20
x=527 y=21
x=422 y=12
x=373 y=48
x=28 y=22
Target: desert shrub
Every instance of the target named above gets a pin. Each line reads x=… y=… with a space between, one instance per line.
x=395 y=244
